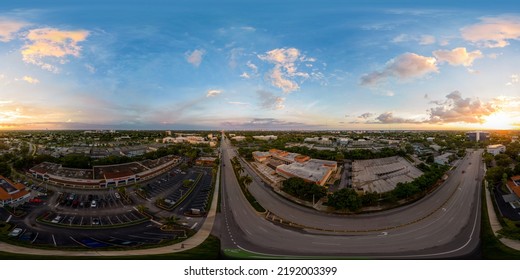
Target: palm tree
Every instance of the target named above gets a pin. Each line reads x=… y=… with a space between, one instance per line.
x=141 y=208
x=170 y=222
x=122 y=191
x=246 y=180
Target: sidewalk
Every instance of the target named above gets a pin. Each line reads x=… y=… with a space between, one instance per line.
x=188 y=244
x=495 y=224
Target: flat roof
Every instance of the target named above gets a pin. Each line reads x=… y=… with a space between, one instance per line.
x=10 y=190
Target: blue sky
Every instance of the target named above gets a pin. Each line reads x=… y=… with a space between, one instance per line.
x=259 y=65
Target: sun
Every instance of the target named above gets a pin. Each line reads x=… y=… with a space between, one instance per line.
x=499 y=120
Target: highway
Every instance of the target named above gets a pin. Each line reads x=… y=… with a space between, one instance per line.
x=445 y=224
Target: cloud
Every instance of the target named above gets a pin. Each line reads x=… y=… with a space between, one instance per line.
x=269 y=101
x=213 y=92
x=285 y=70
x=458 y=56
x=252 y=66
x=245 y=75
x=422 y=40
x=8 y=29
x=458 y=109
x=403 y=67
x=46 y=43
x=266 y=123
x=365 y=115
x=427 y=40
x=237 y=103
x=515 y=78
x=90 y=68
x=493 y=32
x=30 y=80
x=195 y=57
x=388 y=118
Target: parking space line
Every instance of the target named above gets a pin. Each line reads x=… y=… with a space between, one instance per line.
x=54 y=240
x=35 y=237
x=8 y=219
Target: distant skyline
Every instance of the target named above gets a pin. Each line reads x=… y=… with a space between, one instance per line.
x=251 y=65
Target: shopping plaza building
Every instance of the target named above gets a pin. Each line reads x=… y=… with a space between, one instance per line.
x=103 y=176
x=290 y=165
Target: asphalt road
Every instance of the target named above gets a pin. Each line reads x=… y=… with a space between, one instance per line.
x=445 y=224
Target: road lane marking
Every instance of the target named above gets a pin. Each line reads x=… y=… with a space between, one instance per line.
x=194 y=225
x=54 y=240
x=8 y=219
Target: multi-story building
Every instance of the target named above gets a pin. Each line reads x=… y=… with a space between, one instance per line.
x=477 y=136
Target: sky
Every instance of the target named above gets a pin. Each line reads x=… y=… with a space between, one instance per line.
x=259 y=64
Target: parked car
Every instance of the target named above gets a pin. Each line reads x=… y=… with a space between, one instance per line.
x=56 y=220
x=28 y=236
x=15 y=232
x=117 y=195
x=93 y=204
x=35 y=200
x=95 y=221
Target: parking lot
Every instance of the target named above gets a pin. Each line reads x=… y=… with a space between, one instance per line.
x=59 y=219
x=147 y=234
x=200 y=196
x=91 y=200
x=167 y=183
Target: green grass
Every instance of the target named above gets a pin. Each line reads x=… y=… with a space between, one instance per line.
x=208 y=250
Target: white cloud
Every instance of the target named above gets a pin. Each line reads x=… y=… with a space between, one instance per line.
x=403 y=67
x=252 y=66
x=401 y=38
x=285 y=68
x=389 y=118
x=458 y=109
x=90 y=68
x=493 y=32
x=427 y=40
x=213 y=92
x=457 y=56
x=30 y=80
x=195 y=57
x=245 y=75
x=269 y=101
x=46 y=43
x=237 y=103
x=422 y=39
x=8 y=29
x=515 y=78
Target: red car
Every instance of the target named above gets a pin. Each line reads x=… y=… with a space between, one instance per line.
x=35 y=200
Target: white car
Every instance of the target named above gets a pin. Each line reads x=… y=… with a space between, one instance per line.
x=17 y=231
x=56 y=220
x=93 y=204
x=117 y=195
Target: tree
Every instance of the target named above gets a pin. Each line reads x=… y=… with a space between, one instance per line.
x=5 y=169
x=246 y=180
x=405 y=190
x=170 y=222
x=122 y=191
x=187 y=183
x=304 y=190
x=345 y=199
x=369 y=198
x=141 y=208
